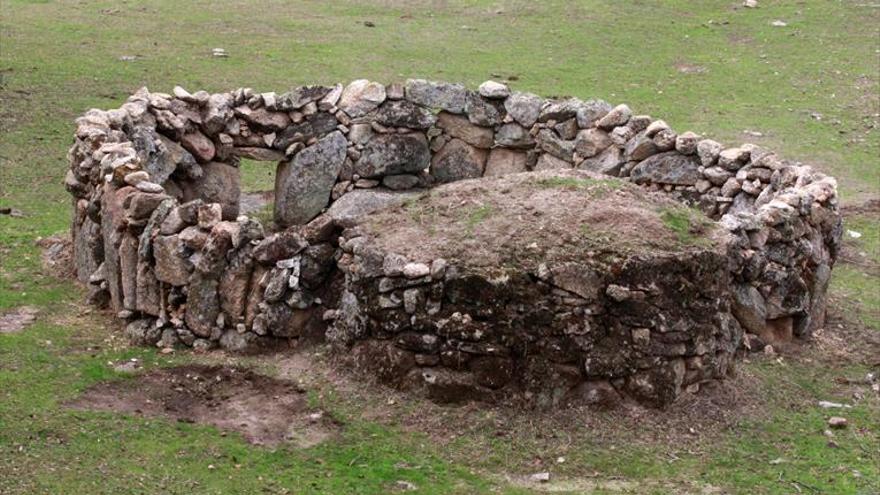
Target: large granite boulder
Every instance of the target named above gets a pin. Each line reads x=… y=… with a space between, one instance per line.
x=303 y=185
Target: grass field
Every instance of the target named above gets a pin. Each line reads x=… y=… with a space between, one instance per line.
x=809 y=90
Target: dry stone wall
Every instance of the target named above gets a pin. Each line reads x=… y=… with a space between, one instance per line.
x=159 y=238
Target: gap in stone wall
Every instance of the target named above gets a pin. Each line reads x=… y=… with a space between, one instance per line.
x=258 y=190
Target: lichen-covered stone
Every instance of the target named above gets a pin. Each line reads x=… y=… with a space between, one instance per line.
x=393 y=154
x=303 y=185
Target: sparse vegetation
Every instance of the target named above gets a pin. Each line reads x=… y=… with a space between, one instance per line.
x=687 y=223
x=594 y=187
x=475 y=216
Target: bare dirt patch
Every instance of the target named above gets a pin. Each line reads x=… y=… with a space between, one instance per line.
x=57 y=255
x=688 y=68
x=18 y=319
x=265 y=410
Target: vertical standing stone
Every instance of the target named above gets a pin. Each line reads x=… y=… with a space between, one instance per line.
x=202 y=305
x=112 y=222
x=128 y=271
x=303 y=185
x=148 y=297
x=219 y=183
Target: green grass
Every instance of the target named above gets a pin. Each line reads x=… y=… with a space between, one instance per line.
x=475 y=216
x=857 y=279
x=811 y=89
x=686 y=223
x=257 y=176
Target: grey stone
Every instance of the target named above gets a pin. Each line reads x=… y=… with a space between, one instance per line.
x=361 y=97
x=748 y=306
x=280 y=246
x=716 y=175
x=88 y=248
x=590 y=112
x=460 y=127
x=640 y=147
x=302 y=96
x=549 y=162
x=608 y=162
x=276 y=284
x=173 y=223
x=551 y=143
x=708 y=151
x=591 y=142
x=578 y=279
x=263 y=117
x=559 y=110
x=482 y=111
x=202 y=305
x=172 y=263
x=686 y=143
x=141 y=205
x=393 y=154
x=415 y=270
x=351 y=206
x=667 y=168
x=199 y=145
x=303 y=185
x=567 y=129
x=617 y=116
x=233 y=286
x=128 y=260
x=495 y=90
x=458 y=160
x=524 y=108
x=219 y=183
x=314 y=126
x=730 y=188
x=360 y=133
x=400 y=182
x=403 y=113
x=258 y=154
x=732 y=158
x=503 y=161
x=445 y=96
x=513 y=135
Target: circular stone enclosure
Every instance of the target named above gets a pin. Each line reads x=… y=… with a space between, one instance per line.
x=480 y=243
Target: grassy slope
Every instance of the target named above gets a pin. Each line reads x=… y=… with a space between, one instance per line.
x=58 y=59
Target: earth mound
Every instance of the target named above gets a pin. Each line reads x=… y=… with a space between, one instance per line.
x=517 y=220
x=549 y=286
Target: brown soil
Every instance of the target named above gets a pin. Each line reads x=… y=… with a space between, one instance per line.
x=57 y=256
x=519 y=219
x=17 y=319
x=265 y=410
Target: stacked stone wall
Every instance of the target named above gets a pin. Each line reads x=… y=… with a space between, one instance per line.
x=159 y=238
